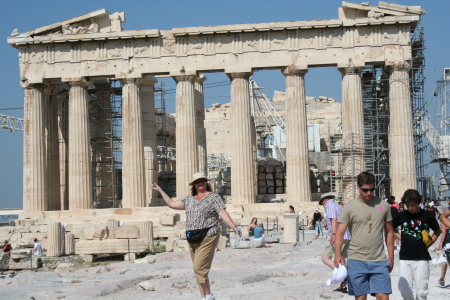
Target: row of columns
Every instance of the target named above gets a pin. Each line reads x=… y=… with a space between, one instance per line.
x=139 y=138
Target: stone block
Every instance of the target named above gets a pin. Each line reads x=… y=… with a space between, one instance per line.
x=280 y=176
x=269 y=176
x=228 y=192
x=228 y=185
x=262 y=190
x=279 y=190
x=147 y=285
x=118 y=246
x=261 y=176
x=87 y=258
x=94 y=232
x=261 y=162
x=271 y=190
x=261 y=169
x=227 y=177
x=272 y=239
x=149 y=259
x=127 y=232
x=4 y=262
x=269 y=169
x=170 y=243
x=181 y=245
x=167 y=219
x=273 y=162
x=280 y=169
x=129 y=257
x=270 y=183
x=261 y=183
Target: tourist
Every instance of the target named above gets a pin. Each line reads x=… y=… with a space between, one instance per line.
x=258 y=231
x=415 y=225
x=445 y=243
x=291 y=209
x=7 y=248
x=394 y=211
x=37 y=247
x=333 y=210
x=366 y=217
x=317 y=223
x=203 y=209
x=444 y=232
x=252 y=225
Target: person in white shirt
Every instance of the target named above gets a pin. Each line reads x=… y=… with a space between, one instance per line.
x=37 y=247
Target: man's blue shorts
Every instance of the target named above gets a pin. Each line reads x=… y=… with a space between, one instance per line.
x=366 y=277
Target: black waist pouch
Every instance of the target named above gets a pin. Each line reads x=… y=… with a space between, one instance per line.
x=196 y=236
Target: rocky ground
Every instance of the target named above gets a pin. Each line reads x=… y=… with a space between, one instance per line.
x=281 y=271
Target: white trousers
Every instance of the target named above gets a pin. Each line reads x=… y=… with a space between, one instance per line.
x=413 y=279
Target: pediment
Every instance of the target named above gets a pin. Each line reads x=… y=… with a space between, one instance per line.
x=353 y=11
x=97 y=21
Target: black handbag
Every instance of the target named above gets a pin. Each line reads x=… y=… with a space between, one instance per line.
x=196 y=236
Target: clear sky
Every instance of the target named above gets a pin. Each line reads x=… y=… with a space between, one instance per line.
x=31 y=14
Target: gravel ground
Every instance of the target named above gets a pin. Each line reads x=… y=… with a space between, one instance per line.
x=281 y=271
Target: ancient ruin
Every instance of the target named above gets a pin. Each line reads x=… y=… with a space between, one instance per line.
x=75 y=72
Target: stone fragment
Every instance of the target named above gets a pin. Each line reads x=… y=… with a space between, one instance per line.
x=167 y=219
x=94 y=232
x=127 y=232
x=147 y=285
x=149 y=259
x=119 y=246
x=65 y=268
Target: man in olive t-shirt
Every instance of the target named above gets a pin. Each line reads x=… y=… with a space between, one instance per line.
x=367 y=218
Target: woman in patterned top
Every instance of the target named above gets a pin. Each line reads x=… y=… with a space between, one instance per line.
x=203 y=209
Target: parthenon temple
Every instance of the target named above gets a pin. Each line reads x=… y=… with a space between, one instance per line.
x=73 y=72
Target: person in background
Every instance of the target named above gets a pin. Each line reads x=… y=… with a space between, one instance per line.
x=394 y=211
x=333 y=210
x=258 y=233
x=291 y=209
x=252 y=226
x=7 y=248
x=317 y=223
x=445 y=231
x=37 y=247
x=415 y=222
x=203 y=210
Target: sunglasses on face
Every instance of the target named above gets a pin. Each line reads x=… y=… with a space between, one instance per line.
x=368 y=190
x=200 y=181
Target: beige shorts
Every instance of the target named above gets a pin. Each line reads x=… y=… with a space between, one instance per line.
x=329 y=250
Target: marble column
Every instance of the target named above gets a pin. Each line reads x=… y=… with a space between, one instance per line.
x=52 y=149
x=149 y=133
x=401 y=140
x=297 y=161
x=55 y=239
x=133 y=184
x=200 y=123
x=186 y=133
x=243 y=188
x=63 y=149
x=80 y=177
x=34 y=160
x=352 y=129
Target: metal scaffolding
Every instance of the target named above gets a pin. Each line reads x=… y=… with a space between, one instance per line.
x=106 y=143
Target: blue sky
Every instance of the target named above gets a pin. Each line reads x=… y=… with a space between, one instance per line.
x=27 y=15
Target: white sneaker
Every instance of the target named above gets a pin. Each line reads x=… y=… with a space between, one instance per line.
x=210 y=297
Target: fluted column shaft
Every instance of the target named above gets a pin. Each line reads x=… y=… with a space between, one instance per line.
x=69 y=244
x=352 y=129
x=51 y=126
x=146 y=232
x=243 y=188
x=149 y=133
x=401 y=140
x=186 y=133
x=297 y=161
x=80 y=177
x=132 y=146
x=200 y=116
x=34 y=160
x=63 y=150
x=56 y=239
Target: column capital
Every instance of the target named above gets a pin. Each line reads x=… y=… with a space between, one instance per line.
x=401 y=65
x=80 y=81
x=200 y=79
x=294 y=70
x=27 y=85
x=179 y=78
x=149 y=80
x=350 y=69
x=245 y=75
x=137 y=81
